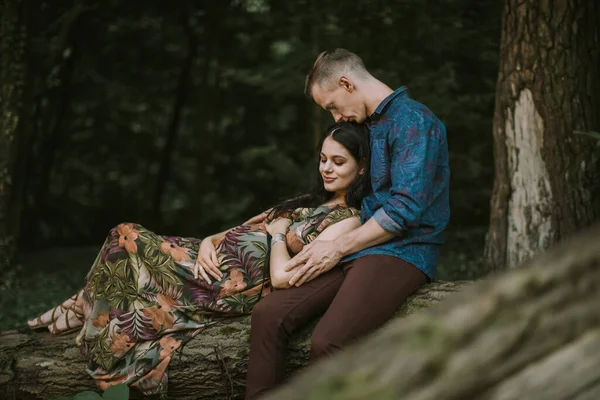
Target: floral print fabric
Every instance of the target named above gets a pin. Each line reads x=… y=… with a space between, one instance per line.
x=142 y=303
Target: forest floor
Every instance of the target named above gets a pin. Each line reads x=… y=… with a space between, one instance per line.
x=46 y=277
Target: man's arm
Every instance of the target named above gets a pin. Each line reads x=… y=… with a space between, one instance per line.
x=322 y=255
x=368 y=235
x=280 y=257
x=415 y=145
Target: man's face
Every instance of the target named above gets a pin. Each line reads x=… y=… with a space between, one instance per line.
x=341 y=100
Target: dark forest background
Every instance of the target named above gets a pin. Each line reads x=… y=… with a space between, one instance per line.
x=188 y=117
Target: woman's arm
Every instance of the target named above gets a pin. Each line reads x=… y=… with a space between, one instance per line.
x=217 y=236
x=280 y=256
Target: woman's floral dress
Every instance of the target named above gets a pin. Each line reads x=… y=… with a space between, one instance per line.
x=141 y=301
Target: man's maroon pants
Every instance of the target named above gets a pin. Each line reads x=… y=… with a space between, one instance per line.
x=356 y=297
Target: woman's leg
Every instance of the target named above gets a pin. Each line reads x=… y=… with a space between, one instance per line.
x=136 y=302
x=70 y=320
x=133 y=296
x=50 y=316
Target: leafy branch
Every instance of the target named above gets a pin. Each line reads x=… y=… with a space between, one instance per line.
x=592 y=134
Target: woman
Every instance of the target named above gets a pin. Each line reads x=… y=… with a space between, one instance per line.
x=146 y=295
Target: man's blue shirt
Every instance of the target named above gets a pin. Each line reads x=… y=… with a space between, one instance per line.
x=410 y=181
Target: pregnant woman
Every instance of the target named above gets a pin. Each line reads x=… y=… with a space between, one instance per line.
x=146 y=294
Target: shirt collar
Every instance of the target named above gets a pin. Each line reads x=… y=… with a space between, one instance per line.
x=402 y=90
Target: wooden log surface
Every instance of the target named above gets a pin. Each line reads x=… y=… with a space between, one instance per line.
x=37 y=365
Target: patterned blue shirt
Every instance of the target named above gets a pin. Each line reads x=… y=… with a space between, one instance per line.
x=410 y=180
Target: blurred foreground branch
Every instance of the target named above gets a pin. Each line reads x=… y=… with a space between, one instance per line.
x=532 y=333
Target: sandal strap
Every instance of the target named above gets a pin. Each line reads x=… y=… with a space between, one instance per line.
x=67 y=317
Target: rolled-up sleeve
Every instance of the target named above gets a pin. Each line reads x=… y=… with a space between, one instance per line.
x=415 y=140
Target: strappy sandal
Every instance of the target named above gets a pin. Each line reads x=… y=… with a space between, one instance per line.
x=54 y=313
x=67 y=316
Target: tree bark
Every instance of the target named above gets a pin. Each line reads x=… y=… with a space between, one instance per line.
x=13 y=35
x=531 y=333
x=211 y=366
x=181 y=94
x=546 y=182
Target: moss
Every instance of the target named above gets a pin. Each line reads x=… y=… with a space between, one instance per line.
x=228 y=331
x=431 y=336
x=6 y=361
x=414 y=305
x=242 y=354
x=534 y=284
x=351 y=387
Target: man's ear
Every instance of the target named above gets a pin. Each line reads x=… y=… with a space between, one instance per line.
x=346 y=83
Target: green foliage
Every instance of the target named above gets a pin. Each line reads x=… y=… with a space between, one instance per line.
x=105 y=84
x=108 y=94
x=116 y=392
x=461 y=257
x=12 y=80
x=592 y=134
x=44 y=279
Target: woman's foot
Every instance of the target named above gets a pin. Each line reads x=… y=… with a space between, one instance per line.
x=52 y=316
x=69 y=321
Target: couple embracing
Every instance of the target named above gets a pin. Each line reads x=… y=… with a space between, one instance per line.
x=350 y=251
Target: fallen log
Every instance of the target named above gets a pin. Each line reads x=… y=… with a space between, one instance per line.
x=532 y=333
x=37 y=365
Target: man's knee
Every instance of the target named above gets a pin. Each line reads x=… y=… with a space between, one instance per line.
x=271 y=316
x=324 y=343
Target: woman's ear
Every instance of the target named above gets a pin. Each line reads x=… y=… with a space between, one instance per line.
x=362 y=164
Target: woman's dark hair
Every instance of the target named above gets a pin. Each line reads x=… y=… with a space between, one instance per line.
x=355 y=138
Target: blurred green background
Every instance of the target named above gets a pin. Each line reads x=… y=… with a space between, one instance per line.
x=188 y=117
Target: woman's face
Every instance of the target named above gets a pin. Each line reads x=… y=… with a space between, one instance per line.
x=337 y=167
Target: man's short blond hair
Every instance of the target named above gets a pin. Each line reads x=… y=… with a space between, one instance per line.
x=331 y=63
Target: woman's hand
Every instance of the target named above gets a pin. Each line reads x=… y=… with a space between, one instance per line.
x=207 y=261
x=279 y=225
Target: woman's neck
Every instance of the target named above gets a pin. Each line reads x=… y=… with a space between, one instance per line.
x=338 y=199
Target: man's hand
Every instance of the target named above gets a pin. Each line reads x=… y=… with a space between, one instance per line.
x=316 y=258
x=258 y=219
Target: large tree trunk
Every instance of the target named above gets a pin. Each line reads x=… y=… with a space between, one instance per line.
x=12 y=82
x=533 y=333
x=546 y=184
x=211 y=366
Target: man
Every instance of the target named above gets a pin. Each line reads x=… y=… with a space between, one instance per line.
x=383 y=261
